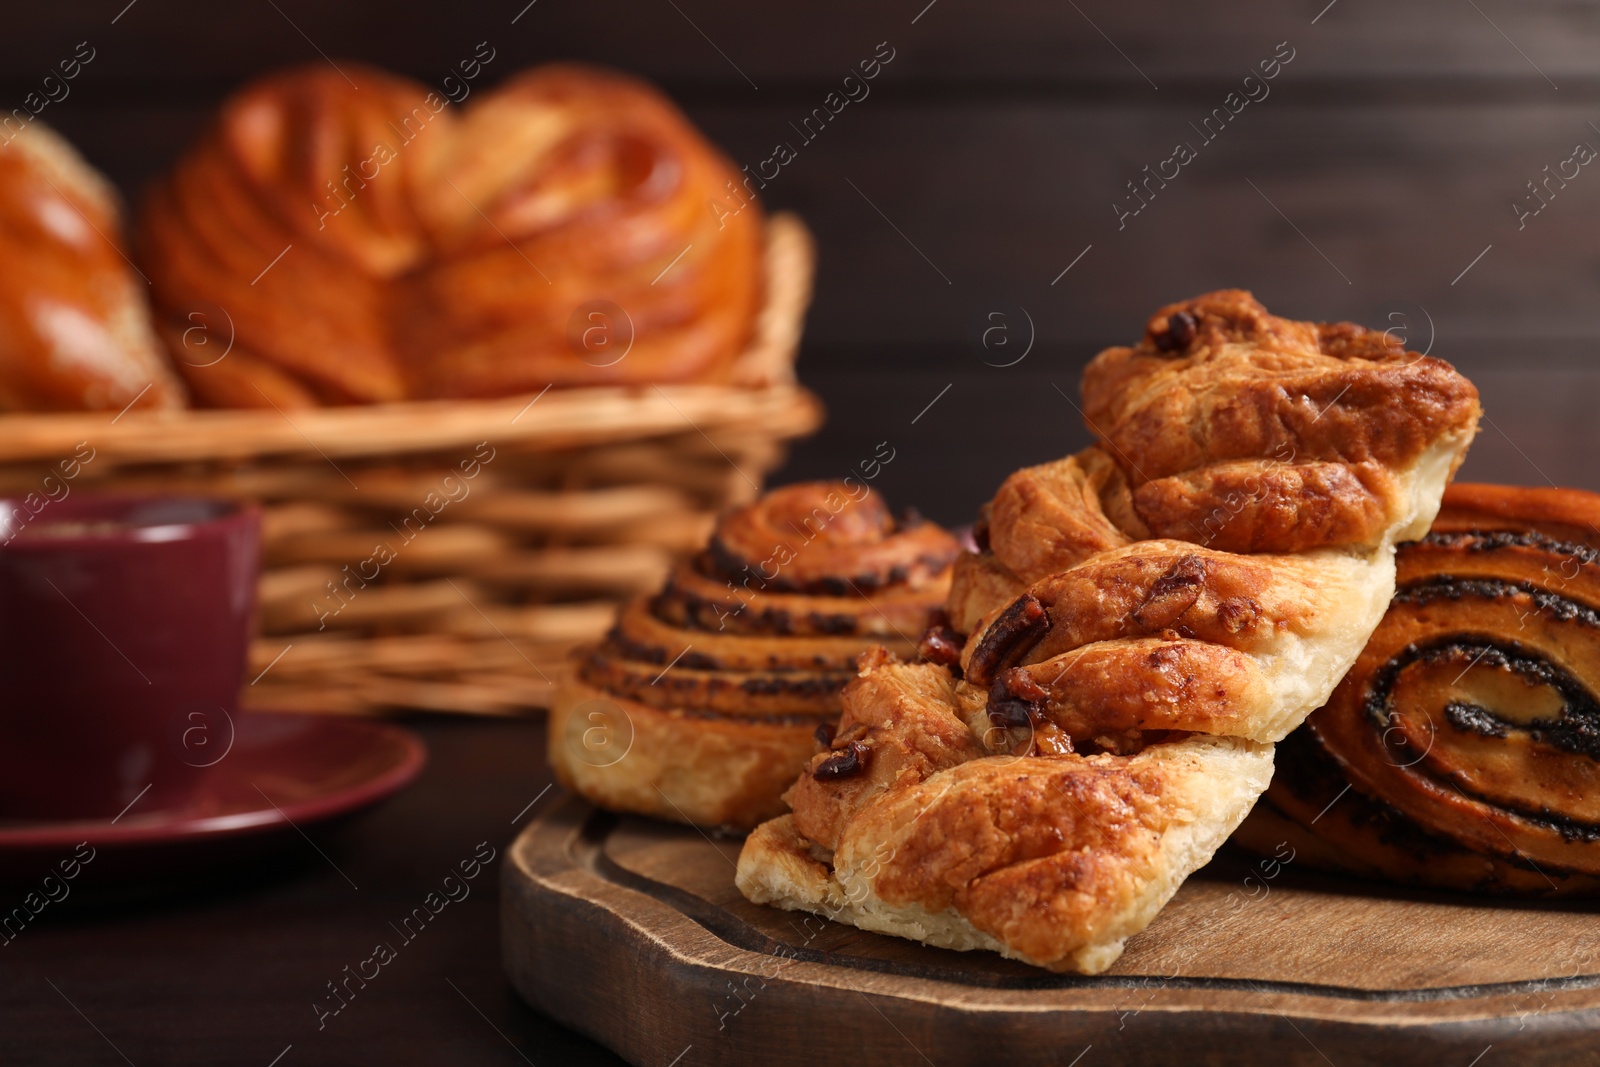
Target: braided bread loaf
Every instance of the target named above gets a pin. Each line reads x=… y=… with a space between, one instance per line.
x=703 y=702
x=1144 y=619
x=74 y=331
x=368 y=243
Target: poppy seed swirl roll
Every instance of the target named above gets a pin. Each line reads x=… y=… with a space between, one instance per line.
x=1473 y=715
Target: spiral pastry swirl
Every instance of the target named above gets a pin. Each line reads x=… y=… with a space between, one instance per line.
x=722 y=681
x=367 y=240
x=1472 y=715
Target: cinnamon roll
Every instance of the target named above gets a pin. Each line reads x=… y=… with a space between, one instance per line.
x=1141 y=623
x=1462 y=750
x=705 y=700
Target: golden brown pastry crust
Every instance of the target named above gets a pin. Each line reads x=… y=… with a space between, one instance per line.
x=683 y=765
x=74 y=331
x=695 y=597
x=1047 y=518
x=1156 y=587
x=1048 y=856
x=430 y=250
x=942 y=838
x=910 y=717
x=1164 y=635
x=729 y=672
x=1473 y=715
x=1254 y=435
x=1109 y=688
x=1223 y=405
x=850 y=550
x=1045 y=789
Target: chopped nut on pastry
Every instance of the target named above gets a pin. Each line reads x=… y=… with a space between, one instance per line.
x=1142 y=621
x=1258 y=435
x=706 y=699
x=1055 y=861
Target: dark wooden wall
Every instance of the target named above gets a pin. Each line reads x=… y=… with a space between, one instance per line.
x=1384 y=160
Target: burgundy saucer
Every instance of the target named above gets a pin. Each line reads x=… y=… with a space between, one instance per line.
x=283 y=774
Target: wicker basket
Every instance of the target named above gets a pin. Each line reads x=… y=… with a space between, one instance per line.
x=512 y=527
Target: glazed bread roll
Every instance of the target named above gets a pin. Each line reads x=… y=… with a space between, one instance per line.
x=1143 y=621
x=706 y=699
x=74 y=330
x=1462 y=751
x=370 y=242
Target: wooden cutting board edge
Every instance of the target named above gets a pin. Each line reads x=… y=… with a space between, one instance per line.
x=630 y=966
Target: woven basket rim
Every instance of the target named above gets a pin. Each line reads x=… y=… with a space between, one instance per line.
x=764 y=398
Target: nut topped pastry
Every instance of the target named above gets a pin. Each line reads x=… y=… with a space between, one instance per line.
x=369 y=241
x=960 y=833
x=74 y=331
x=704 y=701
x=1250 y=433
x=1099 y=706
x=1233 y=429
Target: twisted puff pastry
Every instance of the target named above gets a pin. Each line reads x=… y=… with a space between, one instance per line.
x=369 y=242
x=1144 y=620
x=705 y=700
x=1462 y=750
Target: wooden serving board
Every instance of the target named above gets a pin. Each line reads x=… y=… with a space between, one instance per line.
x=632 y=932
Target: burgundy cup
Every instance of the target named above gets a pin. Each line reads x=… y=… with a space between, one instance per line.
x=124 y=626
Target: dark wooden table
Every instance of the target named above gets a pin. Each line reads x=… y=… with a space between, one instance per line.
x=229 y=974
